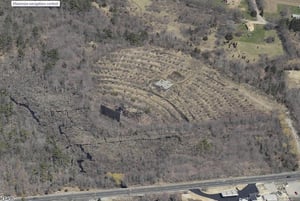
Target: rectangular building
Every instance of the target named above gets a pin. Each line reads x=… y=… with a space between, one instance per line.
x=115 y=115
x=230 y=193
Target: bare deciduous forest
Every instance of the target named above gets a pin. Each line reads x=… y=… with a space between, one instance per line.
x=52 y=134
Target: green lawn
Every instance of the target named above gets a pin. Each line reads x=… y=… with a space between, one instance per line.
x=253 y=44
x=257 y=36
x=254 y=50
x=271 y=33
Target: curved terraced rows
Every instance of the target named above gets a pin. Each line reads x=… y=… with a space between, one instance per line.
x=127 y=77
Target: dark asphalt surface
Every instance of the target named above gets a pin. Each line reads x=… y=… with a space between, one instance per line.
x=244 y=193
x=86 y=196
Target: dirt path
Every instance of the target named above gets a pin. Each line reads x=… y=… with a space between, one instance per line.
x=260 y=19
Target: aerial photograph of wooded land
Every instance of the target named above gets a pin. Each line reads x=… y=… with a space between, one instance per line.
x=122 y=97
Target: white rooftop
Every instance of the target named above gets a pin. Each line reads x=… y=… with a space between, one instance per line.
x=165 y=84
x=230 y=193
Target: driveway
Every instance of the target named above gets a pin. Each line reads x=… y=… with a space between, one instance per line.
x=244 y=193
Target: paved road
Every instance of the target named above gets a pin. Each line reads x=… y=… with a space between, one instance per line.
x=86 y=196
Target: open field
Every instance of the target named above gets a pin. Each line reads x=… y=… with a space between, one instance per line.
x=198 y=93
x=272 y=5
x=253 y=44
x=252 y=51
x=257 y=36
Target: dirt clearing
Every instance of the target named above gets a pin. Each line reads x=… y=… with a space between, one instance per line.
x=192 y=196
x=141 y=4
x=292 y=79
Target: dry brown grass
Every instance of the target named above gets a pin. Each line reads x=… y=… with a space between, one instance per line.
x=289 y=133
x=192 y=196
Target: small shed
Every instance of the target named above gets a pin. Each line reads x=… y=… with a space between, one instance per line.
x=250 y=26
